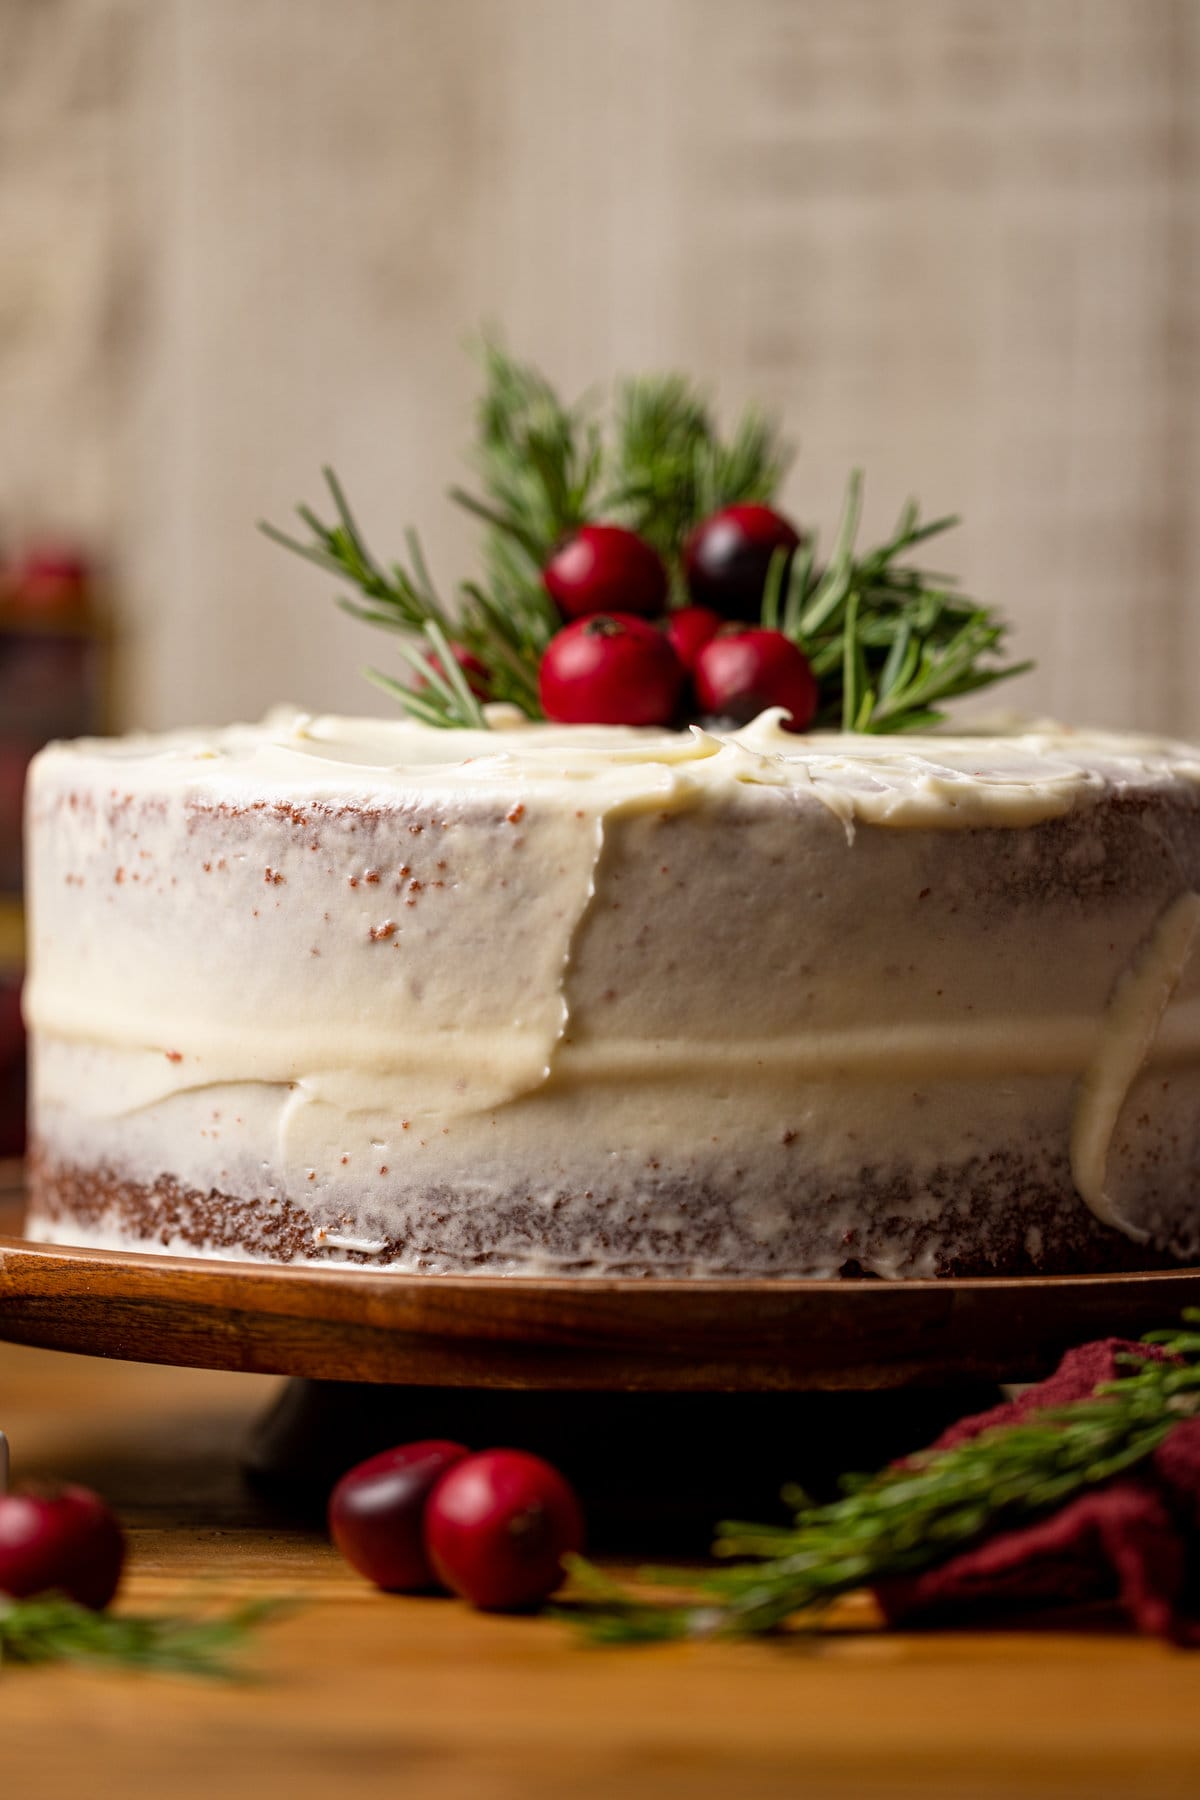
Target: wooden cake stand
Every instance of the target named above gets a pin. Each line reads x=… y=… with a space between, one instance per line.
x=715 y=1391
x=479 y=1331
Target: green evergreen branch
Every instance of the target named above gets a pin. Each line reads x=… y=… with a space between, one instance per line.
x=668 y=466
x=506 y=632
x=890 y=644
x=51 y=1629
x=913 y=1516
x=540 y=462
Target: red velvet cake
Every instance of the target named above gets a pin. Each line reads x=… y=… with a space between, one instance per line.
x=593 y=1001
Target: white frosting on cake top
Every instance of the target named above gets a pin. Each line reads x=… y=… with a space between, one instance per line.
x=928 y=782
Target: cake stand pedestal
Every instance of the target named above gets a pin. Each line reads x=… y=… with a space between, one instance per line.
x=655 y=1470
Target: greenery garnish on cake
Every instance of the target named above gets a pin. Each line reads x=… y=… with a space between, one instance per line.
x=636 y=571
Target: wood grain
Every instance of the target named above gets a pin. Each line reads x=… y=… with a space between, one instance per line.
x=365 y=1696
x=481 y=1331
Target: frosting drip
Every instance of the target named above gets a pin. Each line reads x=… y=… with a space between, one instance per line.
x=1125 y=1042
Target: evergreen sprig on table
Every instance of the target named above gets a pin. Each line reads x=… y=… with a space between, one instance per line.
x=889 y=643
x=912 y=1516
x=51 y=1629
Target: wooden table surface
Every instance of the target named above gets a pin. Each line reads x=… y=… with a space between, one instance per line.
x=362 y=1695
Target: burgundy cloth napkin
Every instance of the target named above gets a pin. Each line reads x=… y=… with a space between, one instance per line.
x=1135 y=1541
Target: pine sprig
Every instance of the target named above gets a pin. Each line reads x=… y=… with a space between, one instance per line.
x=398 y=599
x=50 y=1629
x=914 y=1516
x=669 y=466
x=889 y=643
x=540 y=461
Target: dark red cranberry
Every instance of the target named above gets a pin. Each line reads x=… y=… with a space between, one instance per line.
x=64 y=1541
x=498 y=1526
x=478 y=675
x=727 y=556
x=740 y=673
x=376 y=1513
x=689 y=630
x=613 y=669
x=605 y=568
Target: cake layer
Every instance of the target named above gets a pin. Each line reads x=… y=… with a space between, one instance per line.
x=593 y=1001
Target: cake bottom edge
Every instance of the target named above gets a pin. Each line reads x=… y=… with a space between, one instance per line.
x=1026 y=1232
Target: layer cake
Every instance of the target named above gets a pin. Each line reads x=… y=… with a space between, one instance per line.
x=599 y=1001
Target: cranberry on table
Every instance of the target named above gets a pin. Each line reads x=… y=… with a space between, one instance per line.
x=498 y=1526
x=613 y=669
x=689 y=629
x=605 y=568
x=376 y=1513
x=739 y=674
x=727 y=556
x=63 y=1541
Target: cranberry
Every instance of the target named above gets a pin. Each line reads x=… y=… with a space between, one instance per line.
x=727 y=556
x=377 y=1509
x=740 y=673
x=498 y=1526
x=612 y=669
x=478 y=675
x=689 y=630
x=49 y=577
x=64 y=1541
x=606 y=567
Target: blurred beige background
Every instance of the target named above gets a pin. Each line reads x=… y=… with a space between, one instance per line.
x=957 y=241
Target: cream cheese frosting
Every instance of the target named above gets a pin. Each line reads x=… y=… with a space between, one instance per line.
x=344 y=966
x=933 y=782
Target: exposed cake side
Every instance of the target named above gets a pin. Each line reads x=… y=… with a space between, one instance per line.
x=599 y=1001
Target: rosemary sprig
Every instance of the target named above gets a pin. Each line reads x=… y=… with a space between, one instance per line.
x=540 y=463
x=51 y=1629
x=399 y=599
x=890 y=644
x=670 y=467
x=910 y=1517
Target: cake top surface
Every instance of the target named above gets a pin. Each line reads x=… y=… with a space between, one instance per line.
x=1015 y=777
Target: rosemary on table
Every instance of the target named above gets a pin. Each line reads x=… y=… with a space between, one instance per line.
x=910 y=1517
x=890 y=643
x=51 y=1629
